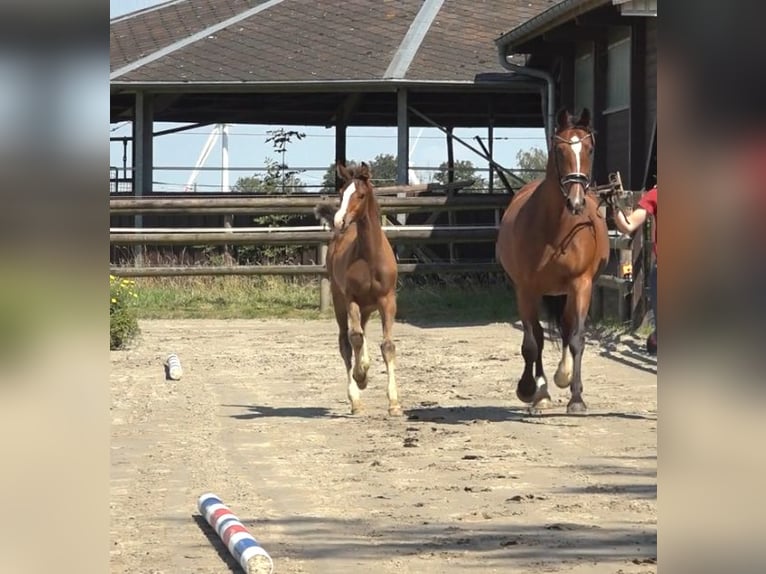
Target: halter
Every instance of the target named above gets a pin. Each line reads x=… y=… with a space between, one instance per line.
x=575 y=176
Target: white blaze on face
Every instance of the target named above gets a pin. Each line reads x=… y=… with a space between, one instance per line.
x=577 y=149
x=341 y=213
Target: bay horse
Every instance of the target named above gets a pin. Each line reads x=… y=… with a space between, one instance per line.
x=363 y=276
x=553 y=244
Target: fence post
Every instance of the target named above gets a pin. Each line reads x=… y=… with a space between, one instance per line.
x=324 y=282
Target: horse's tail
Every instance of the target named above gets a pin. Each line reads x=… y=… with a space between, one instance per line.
x=325 y=212
x=553 y=305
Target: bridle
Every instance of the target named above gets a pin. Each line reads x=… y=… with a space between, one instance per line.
x=573 y=177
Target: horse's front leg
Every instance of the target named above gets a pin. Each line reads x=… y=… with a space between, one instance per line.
x=356 y=340
x=531 y=389
x=387 y=309
x=576 y=315
x=356 y=324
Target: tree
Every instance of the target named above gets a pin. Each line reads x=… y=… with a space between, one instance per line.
x=532 y=163
x=383 y=169
x=463 y=170
x=278 y=179
x=271 y=183
x=280 y=172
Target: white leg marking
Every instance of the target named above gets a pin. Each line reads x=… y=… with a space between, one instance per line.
x=365 y=359
x=341 y=213
x=391 y=391
x=353 y=391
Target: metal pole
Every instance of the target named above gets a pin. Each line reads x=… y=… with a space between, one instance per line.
x=143 y=157
x=403 y=152
x=491 y=145
x=225 y=158
x=228 y=219
x=403 y=137
x=450 y=179
x=340 y=150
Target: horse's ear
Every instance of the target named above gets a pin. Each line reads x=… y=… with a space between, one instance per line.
x=563 y=119
x=343 y=172
x=584 y=120
x=363 y=171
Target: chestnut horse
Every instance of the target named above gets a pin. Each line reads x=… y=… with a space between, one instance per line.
x=363 y=275
x=553 y=244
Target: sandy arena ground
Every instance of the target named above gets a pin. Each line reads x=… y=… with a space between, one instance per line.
x=466 y=481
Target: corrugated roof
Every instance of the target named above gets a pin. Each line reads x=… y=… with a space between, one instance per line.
x=296 y=41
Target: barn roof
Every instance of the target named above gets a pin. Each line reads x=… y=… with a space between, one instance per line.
x=564 y=10
x=312 y=42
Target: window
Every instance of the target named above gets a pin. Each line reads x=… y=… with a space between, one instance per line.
x=618 y=70
x=583 y=79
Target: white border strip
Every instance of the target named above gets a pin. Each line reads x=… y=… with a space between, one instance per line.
x=191 y=39
x=410 y=45
x=146 y=10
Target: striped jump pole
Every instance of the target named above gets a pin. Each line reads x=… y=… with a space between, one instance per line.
x=240 y=543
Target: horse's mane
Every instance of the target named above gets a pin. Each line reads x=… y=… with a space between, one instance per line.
x=325 y=213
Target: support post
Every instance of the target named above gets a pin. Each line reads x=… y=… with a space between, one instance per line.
x=340 y=148
x=402 y=144
x=143 y=157
x=450 y=179
x=402 y=151
x=228 y=219
x=340 y=155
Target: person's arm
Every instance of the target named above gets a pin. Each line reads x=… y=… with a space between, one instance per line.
x=632 y=222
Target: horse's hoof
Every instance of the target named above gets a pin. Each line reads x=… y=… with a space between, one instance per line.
x=356 y=408
x=562 y=379
x=395 y=411
x=576 y=408
x=527 y=399
x=361 y=380
x=542 y=403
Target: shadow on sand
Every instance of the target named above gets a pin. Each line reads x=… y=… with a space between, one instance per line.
x=469 y=414
x=263 y=411
x=317 y=538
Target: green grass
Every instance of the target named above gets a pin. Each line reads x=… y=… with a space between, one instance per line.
x=226 y=298
x=461 y=300
x=456 y=303
x=262 y=297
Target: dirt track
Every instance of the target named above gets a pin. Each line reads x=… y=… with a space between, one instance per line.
x=466 y=481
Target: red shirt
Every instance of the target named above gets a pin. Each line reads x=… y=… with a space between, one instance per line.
x=754 y=171
x=649 y=203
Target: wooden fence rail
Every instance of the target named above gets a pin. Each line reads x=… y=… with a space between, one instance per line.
x=315 y=236
x=299 y=205
x=210 y=270
x=277 y=236
x=393 y=200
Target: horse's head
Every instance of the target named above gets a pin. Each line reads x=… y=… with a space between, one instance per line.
x=354 y=193
x=572 y=152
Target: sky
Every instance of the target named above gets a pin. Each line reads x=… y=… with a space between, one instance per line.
x=248 y=150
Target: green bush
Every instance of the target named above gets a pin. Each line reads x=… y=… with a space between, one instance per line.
x=123 y=324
